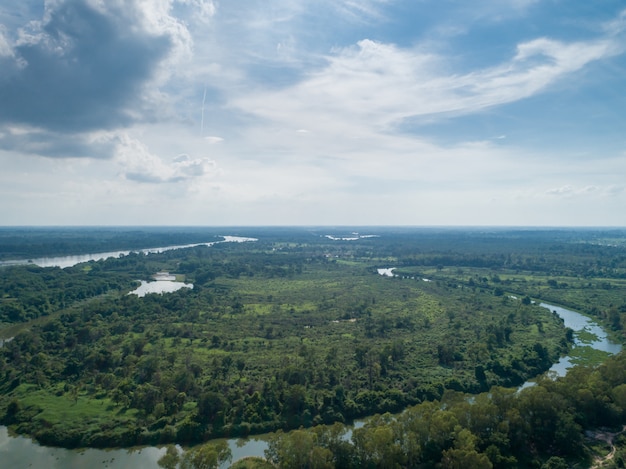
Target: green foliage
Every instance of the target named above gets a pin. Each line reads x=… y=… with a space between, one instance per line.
x=206 y=456
x=298 y=448
x=297 y=330
x=538 y=426
x=29 y=292
x=38 y=242
x=170 y=459
x=555 y=462
x=252 y=462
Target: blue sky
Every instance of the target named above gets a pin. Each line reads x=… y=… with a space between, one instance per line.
x=343 y=112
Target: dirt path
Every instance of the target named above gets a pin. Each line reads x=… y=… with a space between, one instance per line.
x=608 y=438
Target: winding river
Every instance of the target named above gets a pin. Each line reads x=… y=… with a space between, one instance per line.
x=69 y=261
x=21 y=452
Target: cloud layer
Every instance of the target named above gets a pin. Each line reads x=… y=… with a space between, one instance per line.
x=81 y=68
x=378 y=111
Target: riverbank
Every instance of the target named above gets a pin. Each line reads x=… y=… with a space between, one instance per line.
x=70 y=261
x=25 y=453
x=120 y=388
x=288 y=333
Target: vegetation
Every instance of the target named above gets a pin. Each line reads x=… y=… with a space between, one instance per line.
x=29 y=292
x=35 y=242
x=206 y=456
x=541 y=426
x=299 y=330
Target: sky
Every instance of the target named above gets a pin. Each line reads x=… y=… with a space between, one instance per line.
x=292 y=112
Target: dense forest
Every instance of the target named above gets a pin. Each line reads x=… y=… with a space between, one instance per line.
x=34 y=242
x=299 y=330
x=540 y=426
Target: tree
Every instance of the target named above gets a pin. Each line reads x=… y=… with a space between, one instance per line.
x=333 y=437
x=300 y=449
x=463 y=459
x=211 y=406
x=170 y=459
x=479 y=373
x=555 y=463
x=446 y=353
x=13 y=409
x=464 y=455
x=552 y=426
x=377 y=445
x=207 y=456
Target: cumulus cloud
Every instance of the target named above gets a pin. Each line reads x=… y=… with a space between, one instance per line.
x=139 y=164
x=82 y=69
x=86 y=66
x=30 y=140
x=310 y=108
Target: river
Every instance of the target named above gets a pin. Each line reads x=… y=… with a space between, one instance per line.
x=69 y=261
x=577 y=322
x=159 y=285
x=21 y=452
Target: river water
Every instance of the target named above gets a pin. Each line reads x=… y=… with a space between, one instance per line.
x=159 y=286
x=577 y=322
x=69 y=261
x=20 y=452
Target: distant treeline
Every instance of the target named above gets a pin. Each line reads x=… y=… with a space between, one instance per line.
x=31 y=243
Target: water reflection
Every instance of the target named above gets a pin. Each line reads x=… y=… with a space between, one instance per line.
x=69 y=261
x=159 y=286
x=20 y=452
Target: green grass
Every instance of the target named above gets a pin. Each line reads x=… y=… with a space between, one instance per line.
x=585 y=355
x=586 y=337
x=67 y=411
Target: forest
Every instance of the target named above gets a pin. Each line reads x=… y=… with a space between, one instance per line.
x=33 y=242
x=298 y=333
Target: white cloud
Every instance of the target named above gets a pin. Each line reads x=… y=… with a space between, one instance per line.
x=377 y=85
x=212 y=139
x=139 y=164
x=5 y=48
x=360 y=10
x=297 y=131
x=564 y=190
x=585 y=191
x=204 y=9
x=616 y=26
